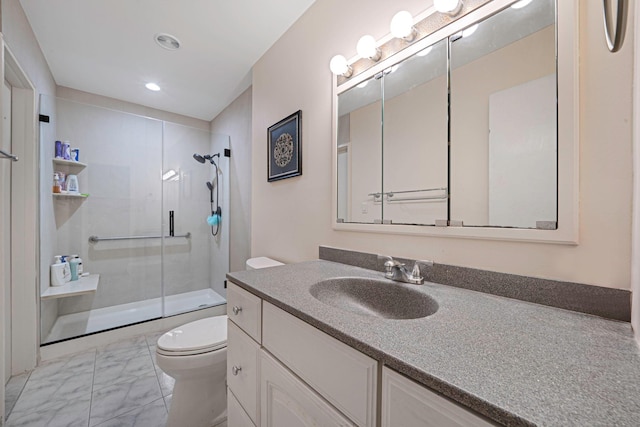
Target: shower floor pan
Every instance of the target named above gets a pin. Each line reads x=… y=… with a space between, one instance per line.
x=101 y=319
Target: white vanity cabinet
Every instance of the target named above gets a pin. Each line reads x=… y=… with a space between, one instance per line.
x=283 y=372
x=409 y=404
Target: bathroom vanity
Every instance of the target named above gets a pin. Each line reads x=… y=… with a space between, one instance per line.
x=296 y=358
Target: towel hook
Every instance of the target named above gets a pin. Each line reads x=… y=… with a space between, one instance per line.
x=614 y=41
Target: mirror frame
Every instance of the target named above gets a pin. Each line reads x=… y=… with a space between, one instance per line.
x=567 y=18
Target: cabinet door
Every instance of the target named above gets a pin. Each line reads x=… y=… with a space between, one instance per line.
x=236 y=417
x=339 y=373
x=408 y=404
x=242 y=369
x=286 y=401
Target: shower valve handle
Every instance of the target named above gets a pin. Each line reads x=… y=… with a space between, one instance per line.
x=236 y=309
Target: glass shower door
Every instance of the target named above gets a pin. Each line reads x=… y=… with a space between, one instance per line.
x=195 y=179
x=113 y=223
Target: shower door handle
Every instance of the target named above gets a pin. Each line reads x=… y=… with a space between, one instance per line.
x=171 y=230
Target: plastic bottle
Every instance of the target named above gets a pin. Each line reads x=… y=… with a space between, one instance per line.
x=56 y=183
x=74 y=269
x=80 y=268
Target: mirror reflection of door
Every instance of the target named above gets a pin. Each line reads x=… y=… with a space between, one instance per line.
x=504 y=119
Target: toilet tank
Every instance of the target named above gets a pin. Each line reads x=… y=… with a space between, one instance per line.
x=261 y=262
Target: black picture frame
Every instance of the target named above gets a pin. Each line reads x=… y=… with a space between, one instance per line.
x=284 y=148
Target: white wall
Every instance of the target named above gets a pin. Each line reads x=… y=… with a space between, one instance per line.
x=128 y=107
x=22 y=42
x=290 y=218
x=235 y=121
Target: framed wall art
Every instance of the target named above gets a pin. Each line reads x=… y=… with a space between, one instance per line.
x=285 y=148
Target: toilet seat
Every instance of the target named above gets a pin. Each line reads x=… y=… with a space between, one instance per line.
x=201 y=336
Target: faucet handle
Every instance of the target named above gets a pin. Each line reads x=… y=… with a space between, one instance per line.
x=416 y=274
x=389 y=262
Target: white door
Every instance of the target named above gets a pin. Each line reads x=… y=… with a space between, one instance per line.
x=5 y=225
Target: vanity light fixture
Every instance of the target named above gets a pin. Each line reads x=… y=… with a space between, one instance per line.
x=520 y=4
x=367 y=48
x=339 y=66
x=402 y=26
x=152 y=86
x=450 y=7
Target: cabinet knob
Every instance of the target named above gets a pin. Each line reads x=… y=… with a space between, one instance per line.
x=236 y=309
x=235 y=370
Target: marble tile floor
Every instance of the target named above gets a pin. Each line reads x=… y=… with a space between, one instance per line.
x=118 y=385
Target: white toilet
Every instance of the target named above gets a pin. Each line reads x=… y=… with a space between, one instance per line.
x=195 y=355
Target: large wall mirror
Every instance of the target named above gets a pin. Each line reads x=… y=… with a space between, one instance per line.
x=462 y=132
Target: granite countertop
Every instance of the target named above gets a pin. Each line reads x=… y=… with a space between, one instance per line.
x=515 y=362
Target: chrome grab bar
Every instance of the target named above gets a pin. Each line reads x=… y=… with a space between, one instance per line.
x=96 y=239
x=390 y=195
x=8 y=156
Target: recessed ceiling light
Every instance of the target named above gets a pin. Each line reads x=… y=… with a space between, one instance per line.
x=167 y=41
x=152 y=86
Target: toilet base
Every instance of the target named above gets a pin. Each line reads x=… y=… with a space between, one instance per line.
x=210 y=410
x=199 y=395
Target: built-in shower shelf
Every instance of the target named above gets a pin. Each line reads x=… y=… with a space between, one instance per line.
x=70 y=163
x=72 y=196
x=84 y=285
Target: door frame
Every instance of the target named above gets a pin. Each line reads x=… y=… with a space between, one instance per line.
x=25 y=217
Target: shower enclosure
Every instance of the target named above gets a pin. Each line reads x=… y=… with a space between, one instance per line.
x=140 y=221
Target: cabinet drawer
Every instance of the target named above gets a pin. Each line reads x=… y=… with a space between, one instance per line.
x=244 y=309
x=340 y=374
x=287 y=401
x=236 y=417
x=409 y=404
x=242 y=369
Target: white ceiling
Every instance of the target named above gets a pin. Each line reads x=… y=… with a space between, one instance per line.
x=107 y=47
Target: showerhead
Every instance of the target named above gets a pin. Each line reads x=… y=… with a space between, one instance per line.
x=209 y=157
x=209 y=186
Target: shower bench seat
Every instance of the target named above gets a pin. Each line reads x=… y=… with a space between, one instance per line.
x=84 y=285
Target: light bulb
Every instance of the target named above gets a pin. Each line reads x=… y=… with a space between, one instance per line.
x=340 y=66
x=152 y=86
x=520 y=4
x=402 y=26
x=367 y=48
x=451 y=7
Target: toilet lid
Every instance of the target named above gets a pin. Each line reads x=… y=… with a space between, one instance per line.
x=197 y=337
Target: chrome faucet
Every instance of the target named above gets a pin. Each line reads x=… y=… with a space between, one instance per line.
x=398 y=271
